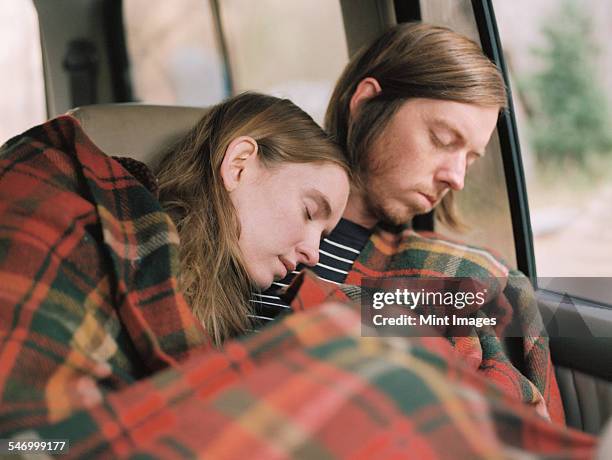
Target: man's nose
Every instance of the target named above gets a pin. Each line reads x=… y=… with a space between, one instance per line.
x=453 y=171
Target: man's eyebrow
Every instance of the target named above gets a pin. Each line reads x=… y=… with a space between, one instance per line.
x=479 y=153
x=322 y=202
x=445 y=124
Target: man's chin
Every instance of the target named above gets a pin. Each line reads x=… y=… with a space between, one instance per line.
x=396 y=216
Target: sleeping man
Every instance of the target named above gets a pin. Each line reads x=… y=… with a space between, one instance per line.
x=413 y=112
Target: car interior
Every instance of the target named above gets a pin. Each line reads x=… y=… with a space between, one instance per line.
x=86 y=66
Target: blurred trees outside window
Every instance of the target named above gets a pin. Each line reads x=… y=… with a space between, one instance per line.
x=559 y=57
x=572 y=117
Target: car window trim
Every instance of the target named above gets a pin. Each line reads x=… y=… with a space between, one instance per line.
x=509 y=144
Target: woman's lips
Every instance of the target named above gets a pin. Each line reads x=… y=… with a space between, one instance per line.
x=289 y=266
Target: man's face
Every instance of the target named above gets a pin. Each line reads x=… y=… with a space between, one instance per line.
x=424 y=152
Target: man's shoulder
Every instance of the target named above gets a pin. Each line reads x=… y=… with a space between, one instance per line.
x=439 y=238
x=445 y=256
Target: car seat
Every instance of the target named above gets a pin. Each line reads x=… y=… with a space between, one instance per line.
x=143 y=132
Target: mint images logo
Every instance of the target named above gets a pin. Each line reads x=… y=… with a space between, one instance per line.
x=508 y=307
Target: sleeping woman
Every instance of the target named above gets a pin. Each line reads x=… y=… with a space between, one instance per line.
x=94 y=276
x=251 y=189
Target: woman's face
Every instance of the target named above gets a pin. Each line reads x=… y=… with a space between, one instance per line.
x=283 y=211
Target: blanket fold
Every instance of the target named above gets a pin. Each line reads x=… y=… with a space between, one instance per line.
x=511 y=300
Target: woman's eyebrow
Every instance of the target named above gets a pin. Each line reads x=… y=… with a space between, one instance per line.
x=322 y=202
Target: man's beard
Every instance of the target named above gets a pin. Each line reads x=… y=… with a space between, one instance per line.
x=386 y=214
x=374 y=197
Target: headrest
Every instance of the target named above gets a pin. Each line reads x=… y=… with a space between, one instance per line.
x=142 y=132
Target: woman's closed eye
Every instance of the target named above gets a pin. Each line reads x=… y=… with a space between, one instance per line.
x=307 y=213
x=316 y=206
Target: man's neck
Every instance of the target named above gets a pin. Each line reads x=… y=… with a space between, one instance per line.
x=357 y=212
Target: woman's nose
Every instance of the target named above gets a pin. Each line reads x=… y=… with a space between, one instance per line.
x=308 y=252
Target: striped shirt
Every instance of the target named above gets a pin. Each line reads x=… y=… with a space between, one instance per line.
x=337 y=253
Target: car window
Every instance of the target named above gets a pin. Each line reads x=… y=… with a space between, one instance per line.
x=23 y=96
x=293 y=49
x=485 y=185
x=173 y=51
x=559 y=58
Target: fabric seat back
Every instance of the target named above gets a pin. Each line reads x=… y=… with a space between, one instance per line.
x=143 y=132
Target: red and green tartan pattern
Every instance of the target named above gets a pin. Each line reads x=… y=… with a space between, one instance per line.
x=97 y=346
x=511 y=299
x=88 y=302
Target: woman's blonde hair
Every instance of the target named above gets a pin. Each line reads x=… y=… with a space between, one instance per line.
x=212 y=275
x=410 y=60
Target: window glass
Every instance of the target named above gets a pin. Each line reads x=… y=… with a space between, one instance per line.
x=293 y=49
x=22 y=98
x=559 y=56
x=173 y=52
x=483 y=204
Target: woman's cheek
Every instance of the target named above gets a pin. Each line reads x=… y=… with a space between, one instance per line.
x=294 y=229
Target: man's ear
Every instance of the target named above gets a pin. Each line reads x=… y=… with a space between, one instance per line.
x=240 y=155
x=367 y=88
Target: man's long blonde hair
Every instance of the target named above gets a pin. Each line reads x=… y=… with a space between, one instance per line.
x=212 y=275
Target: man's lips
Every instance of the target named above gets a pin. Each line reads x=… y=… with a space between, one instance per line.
x=431 y=198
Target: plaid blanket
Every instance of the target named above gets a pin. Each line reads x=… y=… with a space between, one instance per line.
x=98 y=347
x=88 y=298
x=511 y=300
